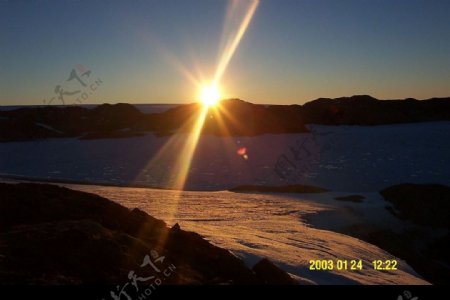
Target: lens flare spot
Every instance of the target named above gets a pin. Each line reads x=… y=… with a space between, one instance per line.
x=242 y=151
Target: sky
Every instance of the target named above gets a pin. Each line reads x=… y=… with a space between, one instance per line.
x=293 y=51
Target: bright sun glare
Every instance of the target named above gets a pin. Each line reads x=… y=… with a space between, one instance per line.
x=210 y=95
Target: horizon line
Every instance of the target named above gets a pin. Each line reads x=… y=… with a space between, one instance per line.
x=233 y=98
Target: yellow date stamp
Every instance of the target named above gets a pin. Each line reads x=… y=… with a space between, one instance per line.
x=351 y=265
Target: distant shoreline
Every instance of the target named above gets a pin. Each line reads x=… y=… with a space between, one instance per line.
x=20 y=178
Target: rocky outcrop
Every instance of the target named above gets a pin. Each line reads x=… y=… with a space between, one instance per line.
x=267 y=272
x=428 y=255
x=423 y=204
x=425 y=246
x=53 y=235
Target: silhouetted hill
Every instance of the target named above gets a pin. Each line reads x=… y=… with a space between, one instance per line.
x=243 y=118
x=366 y=110
x=232 y=117
x=54 y=235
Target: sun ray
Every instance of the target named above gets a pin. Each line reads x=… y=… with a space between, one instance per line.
x=230 y=49
x=186 y=139
x=187 y=152
x=227 y=141
x=211 y=93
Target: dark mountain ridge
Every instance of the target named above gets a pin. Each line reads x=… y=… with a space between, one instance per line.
x=232 y=117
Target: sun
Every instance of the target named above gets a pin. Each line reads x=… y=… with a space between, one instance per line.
x=210 y=95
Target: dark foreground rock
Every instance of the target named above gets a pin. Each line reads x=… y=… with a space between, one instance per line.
x=267 y=272
x=424 y=204
x=426 y=255
x=425 y=247
x=54 y=235
x=297 y=188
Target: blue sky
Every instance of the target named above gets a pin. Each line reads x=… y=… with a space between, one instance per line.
x=292 y=52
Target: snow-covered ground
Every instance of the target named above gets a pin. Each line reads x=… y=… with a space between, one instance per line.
x=340 y=158
x=265 y=225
